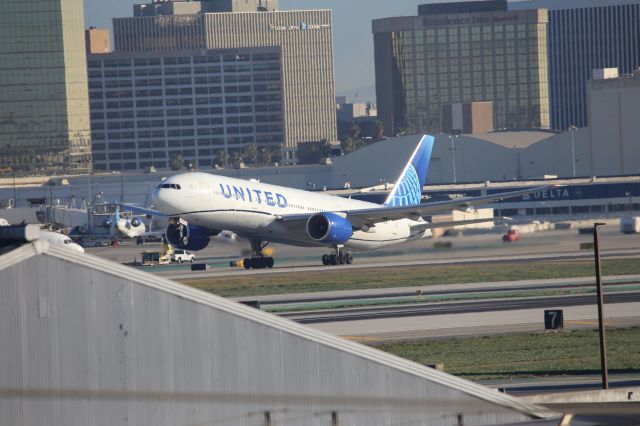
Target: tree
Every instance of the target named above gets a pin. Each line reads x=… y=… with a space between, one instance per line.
x=312 y=152
x=249 y=152
x=221 y=158
x=176 y=162
x=379 y=129
x=348 y=146
x=264 y=156
x=354 y=130
x=276 y=154
x=235 y=157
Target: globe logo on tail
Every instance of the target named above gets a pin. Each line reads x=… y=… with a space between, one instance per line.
x=409 y=189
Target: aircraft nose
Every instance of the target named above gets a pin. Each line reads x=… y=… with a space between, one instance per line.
x=157 y=198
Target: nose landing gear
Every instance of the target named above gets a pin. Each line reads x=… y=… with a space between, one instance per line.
x=340 y=257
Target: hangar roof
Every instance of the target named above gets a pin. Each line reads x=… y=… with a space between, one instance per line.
x=521 y=139
x=107 y=341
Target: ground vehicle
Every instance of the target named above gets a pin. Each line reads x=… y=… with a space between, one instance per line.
x=151 y=257
x=511 y=236
x=158 y=257
x=182 y=256
x=630 y=224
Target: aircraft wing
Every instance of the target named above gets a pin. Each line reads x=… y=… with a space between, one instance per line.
x=141 y=210
x=450 y=223
x=366 y=217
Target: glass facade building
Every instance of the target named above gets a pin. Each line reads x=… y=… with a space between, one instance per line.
x=425 y=62
x=44 y=109
x=203 y=105
x=585 y=35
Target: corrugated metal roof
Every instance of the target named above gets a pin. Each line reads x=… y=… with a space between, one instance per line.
x=258 y=357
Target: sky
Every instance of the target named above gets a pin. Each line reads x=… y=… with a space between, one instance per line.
x=353 y=41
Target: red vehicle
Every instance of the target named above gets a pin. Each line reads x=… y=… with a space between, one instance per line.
x=511 y=236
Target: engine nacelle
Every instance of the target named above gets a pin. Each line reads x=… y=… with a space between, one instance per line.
x=135 y=222
x=329 y=228
x=187 y=237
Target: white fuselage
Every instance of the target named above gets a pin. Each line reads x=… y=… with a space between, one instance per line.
x=251 y=209
x=62 y=240
x=126 y=228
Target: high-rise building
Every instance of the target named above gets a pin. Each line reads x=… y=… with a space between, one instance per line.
x=201 y=105
x=97 y=40
x=304 y=38
x=459 y=53
x=44 y=108
x=614 y=107
x=585 y=35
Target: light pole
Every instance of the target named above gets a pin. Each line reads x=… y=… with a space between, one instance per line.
x=453 y=154
x=573 y=128
x=15 y=202
x=600 y=302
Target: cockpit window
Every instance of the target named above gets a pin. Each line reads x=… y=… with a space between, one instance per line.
x=169 y=185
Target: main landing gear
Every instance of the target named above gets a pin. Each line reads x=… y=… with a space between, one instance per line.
x=340 y=257
x=258 y=260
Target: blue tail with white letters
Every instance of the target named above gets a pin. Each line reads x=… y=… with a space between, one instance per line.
x=408 y=188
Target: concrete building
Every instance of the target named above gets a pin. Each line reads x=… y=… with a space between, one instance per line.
x=347 y=112
x=471 y=117
x=87 y=341
x=97 y=40
x=585 y=35
x=459 y=54
x=204 y=105
x=614 y=108
x=44 y=111
x=303 y=36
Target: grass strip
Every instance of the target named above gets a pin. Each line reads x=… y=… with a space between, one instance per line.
x=525 y=355
x=406 y=276
x=453 y=297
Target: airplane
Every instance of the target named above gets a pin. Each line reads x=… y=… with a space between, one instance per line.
x=60 y=239
x=53 y=237
x=126 y=227
x=119 y=226
x=201 y=205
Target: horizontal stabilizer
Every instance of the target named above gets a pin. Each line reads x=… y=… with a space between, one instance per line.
x=141 y=210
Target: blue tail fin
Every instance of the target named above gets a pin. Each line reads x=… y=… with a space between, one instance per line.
x=408 y=188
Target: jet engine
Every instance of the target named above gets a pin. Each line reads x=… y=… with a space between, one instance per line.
x=135 y=222
x=329 y=228
x=187 y=237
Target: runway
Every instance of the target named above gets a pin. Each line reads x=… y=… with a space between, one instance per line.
x=445 y=319
x=480 y=321
x=544 y=245
x=509 y=304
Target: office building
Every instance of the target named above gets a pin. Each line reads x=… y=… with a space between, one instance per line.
x=304 y=38
x=44 y=110
x=614 y=108
x=97 y=40
x=585 y=35
x=468 y=118
x=458 y=54
x=202 y=105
